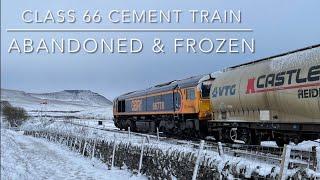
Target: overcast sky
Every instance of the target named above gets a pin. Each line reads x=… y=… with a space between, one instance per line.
x=277 y=27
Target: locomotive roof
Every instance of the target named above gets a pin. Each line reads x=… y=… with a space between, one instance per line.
x=271 y=57
x=189 y=82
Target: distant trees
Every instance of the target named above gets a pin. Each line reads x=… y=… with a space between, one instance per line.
x=14 y=115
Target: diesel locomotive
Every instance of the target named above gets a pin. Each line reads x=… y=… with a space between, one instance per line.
x=176 y=107
x=275 y=98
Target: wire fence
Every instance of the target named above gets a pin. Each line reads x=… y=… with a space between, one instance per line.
x=273 y=155
x=298 y=161
x=147 y=159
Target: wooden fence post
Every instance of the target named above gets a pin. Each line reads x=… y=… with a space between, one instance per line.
x=141 y=155
x=195 y=170
x=84 y=147
x=158 y=137
x=79 y=150
x=220 y=149
x=129 y=133
x=113 y=153
x=68 y=138
x=285 y=161
x=70 y=143
x=74 y=144
x=317 y=157
x=93 y=149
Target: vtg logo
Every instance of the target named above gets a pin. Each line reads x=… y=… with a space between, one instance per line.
x=227 y=90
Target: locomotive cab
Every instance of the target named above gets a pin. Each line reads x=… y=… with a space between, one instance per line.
x=204 y=101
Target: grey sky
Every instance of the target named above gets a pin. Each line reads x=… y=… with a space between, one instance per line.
x=278 y=27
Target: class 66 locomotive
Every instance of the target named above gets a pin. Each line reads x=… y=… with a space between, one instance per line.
x=275 y=98
x=180 y=107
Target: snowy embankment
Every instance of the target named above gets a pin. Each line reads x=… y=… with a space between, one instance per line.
x=225 y=163
x=25 y=157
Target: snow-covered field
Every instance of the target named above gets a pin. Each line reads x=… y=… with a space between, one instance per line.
x=25 y=157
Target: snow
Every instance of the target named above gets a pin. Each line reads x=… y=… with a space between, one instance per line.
x=25 y=157
x=297 y=59
x=252 y=164
x=72 y=103
x=306 y=145
x=107 y=124
x=269 y=144
x=81 y=97
x=166 y=145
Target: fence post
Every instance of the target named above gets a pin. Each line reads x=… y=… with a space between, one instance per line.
x=79 y=150
x=74 y=144
x=220 y=149
x=113 y=153
x=317 y=159
x=195 y=171
x=68 y=138
x=71 y=143
x=158 y=134
x=285 y=161
x=84 y=147
x=141 y=155
x=94 y=147
x=129 y=134
x=314 y=158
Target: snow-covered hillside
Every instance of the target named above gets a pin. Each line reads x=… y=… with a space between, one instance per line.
x=82 y=97
x=68 y=103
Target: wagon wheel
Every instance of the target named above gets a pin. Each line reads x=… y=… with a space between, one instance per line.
x=233 y=134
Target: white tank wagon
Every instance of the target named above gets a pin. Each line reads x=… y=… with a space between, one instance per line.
x=276 y=98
